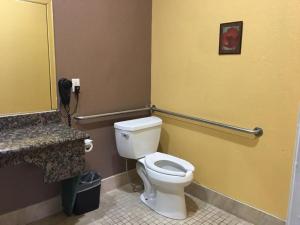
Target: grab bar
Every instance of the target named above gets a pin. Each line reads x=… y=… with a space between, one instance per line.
x=257 y=131
x=111 y=114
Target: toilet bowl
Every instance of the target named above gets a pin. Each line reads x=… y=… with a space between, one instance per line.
x=164 y=176
x=168 y=176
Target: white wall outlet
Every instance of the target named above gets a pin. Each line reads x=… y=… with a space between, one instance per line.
x=75 y=83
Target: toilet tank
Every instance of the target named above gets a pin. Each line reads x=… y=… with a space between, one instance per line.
x=139 y=137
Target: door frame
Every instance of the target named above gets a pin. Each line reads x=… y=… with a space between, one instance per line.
x=293 y=180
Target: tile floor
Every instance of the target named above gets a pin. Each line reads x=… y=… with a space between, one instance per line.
x=122 y=206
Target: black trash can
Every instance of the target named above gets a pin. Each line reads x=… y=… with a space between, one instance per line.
x=87 y=193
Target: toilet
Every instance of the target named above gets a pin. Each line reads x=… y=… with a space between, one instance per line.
x=164 y=176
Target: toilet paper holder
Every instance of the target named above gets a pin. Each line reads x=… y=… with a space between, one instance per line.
x=88 y=145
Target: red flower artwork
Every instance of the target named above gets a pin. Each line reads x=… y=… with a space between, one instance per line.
x=230 y=38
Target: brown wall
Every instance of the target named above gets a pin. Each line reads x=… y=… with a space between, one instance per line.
x=107 y=44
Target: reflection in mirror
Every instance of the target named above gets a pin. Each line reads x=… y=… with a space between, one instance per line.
x=27 y=69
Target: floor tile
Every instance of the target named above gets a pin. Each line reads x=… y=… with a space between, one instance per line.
x=124 y=207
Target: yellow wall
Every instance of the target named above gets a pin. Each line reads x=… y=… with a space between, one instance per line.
x=260 y=87
x=26 y=57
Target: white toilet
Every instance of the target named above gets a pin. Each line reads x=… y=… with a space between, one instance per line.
x=164 y=176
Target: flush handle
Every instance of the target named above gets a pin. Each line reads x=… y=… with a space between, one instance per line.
x=125 y=135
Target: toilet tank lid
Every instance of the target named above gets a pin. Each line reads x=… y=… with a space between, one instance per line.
x=138 y=124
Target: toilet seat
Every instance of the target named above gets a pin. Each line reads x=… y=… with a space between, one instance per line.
x=162 y=163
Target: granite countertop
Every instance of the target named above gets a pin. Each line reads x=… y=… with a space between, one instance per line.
x=38 y=136
x=42 y=139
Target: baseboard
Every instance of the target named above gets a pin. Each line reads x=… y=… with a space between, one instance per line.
x=32 y=213
x=53 y=206
x=117 y=180
x=232 y=206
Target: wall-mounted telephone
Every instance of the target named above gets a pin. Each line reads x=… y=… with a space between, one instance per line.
x=64 y=89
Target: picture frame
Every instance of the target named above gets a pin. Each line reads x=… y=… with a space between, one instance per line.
x=230 y=39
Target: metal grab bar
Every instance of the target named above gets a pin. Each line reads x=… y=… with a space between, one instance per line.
x=111 y=114
x=257 y=131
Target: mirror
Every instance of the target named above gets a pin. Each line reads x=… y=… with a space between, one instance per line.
x=27 y=62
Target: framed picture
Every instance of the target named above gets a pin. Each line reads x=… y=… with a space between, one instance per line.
x=230 y=41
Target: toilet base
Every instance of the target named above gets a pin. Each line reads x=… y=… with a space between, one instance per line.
x=166 y=200
x=168 y=205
